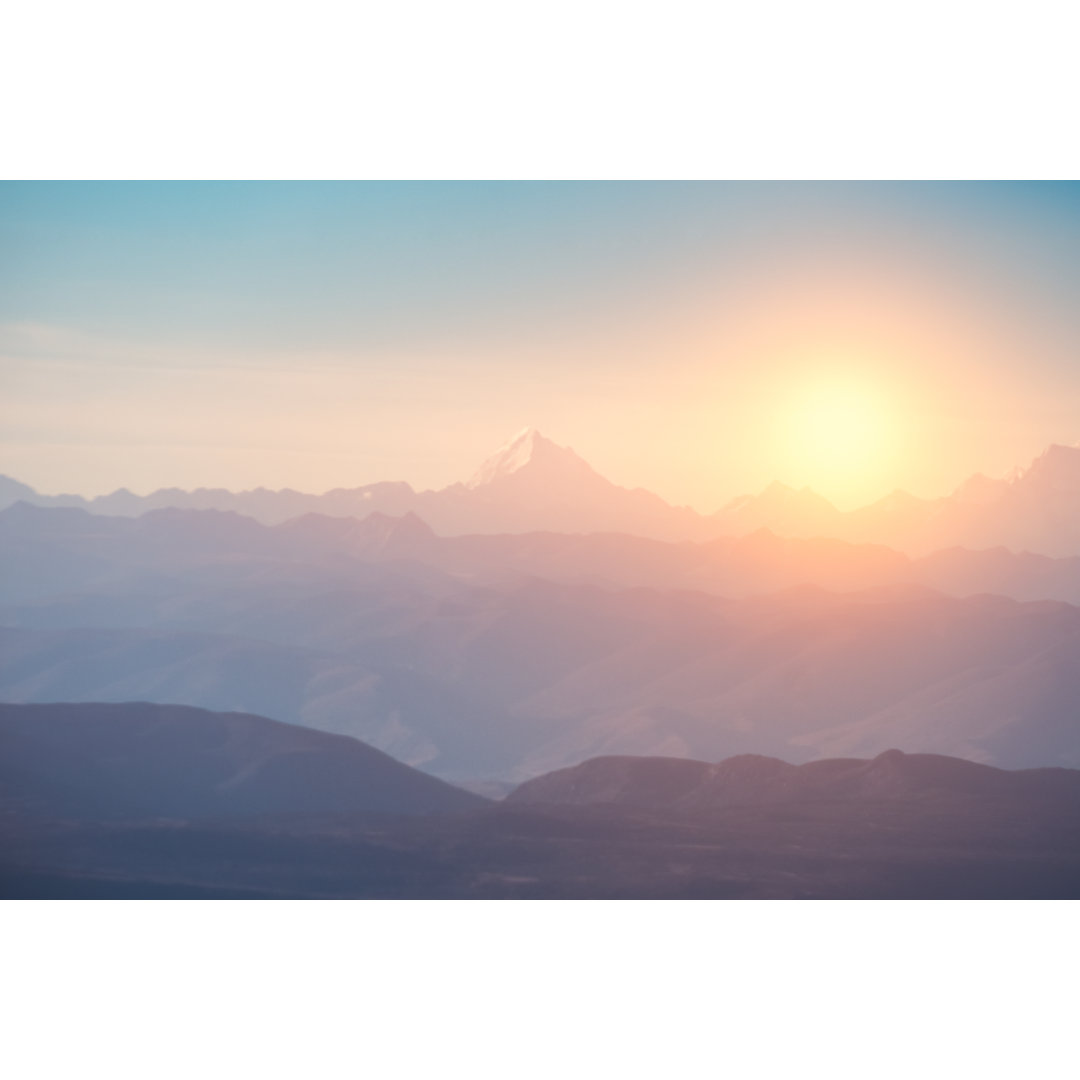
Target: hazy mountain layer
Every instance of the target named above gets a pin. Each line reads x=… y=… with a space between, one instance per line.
x=516 y=681
x=499 y=657
x=529 y=484
x=533 y=485
x=54 y=553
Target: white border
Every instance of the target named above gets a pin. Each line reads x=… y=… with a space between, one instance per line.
x=889 y=990
x=582 y=89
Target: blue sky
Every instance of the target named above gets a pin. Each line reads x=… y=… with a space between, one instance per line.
x=323 y=334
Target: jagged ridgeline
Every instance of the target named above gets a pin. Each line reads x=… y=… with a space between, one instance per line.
x=532 y=484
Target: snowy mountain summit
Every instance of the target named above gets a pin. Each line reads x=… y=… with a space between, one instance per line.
x=528 y=451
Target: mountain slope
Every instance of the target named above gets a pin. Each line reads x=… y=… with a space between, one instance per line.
x=415 y=716
x=141 y=760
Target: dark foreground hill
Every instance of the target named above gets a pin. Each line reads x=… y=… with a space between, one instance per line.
x=181 y=804
x=137 y=760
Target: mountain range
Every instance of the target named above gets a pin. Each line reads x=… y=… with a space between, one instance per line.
x=496 y=657
x=505 y=683
x=66 y=553
x=487 y=658
x=531 y=484
x=135 y=801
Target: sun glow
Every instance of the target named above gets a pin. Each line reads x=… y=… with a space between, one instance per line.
x=840 y=438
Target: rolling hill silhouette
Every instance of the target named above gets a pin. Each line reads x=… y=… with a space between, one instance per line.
x=136 y=760
x=82 y=803
x=753 y=780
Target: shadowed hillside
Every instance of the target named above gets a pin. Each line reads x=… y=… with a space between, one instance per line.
x=137 y=760
x=141 y=802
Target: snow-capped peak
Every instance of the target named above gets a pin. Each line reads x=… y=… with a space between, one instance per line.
x=510 y=457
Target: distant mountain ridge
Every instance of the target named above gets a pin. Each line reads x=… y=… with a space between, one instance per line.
x=528 y=484
x=48 y=549
x=532 y=484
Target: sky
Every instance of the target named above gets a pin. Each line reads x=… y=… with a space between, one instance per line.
x=697 y=339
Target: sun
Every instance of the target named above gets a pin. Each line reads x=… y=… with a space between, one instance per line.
x=839 y=437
